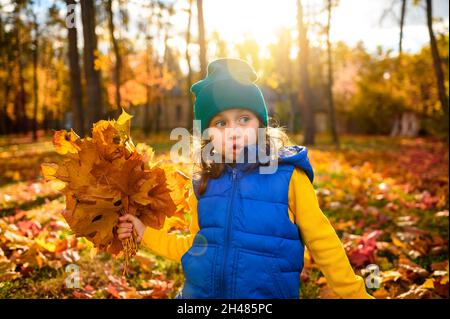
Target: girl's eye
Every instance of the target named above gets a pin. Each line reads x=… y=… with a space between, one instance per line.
x=220 y=123
x=244 y=119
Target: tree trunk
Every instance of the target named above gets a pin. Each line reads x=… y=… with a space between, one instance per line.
x=35 y=76
x=402 y=24
x=330 y=81
x=201 y=38
x=305 y=90
x=92 y=74
x=159 y=100
x=21 y=116
x=147 y=118
x=294 y=110
x=20 y=102
x=76 y=95
x=436 y=60
x=190 y=117
x=5 y=119
x=292 y=91
x=117 y=55
x=7 y=66
x=3 y=64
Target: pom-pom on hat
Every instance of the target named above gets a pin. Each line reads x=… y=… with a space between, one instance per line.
x=229 y=83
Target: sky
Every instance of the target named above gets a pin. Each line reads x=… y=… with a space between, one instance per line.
x=353 y=20
x=367 y=24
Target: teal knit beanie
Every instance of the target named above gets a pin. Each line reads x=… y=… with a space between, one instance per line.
x=229 y=84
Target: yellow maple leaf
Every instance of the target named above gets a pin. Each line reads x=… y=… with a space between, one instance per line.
x=66 y=142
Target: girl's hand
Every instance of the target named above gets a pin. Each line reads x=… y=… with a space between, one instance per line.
x=125 y=228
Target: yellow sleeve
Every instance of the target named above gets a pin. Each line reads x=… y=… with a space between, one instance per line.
x=321 y=239
x=172 y=246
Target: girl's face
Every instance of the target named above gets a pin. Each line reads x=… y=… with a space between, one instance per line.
x=233 y=129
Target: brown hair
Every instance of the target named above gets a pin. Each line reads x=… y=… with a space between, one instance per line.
x=275 y=136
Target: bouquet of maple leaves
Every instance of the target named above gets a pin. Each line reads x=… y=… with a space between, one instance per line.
x=107 y=176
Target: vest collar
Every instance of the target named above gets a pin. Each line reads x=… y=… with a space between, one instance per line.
x=248 y=158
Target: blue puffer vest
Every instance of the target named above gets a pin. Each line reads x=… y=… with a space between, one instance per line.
x=247 y=247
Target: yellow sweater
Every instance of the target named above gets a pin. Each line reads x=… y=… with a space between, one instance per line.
x=316 y=231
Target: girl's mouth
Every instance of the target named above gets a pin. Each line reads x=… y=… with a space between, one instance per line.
x=236 y=148
x=234 y=151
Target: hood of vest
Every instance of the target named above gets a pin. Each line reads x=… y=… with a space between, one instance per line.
x=296 y=155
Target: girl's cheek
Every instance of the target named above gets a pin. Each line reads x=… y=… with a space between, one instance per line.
x=218 y=140
x=215 y=134
x=251 y=136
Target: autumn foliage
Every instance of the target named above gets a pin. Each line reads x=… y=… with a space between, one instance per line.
x=106 y=176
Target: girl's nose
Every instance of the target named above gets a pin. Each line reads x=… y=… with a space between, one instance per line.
x=233 y=132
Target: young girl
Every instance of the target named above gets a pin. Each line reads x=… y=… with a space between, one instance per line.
x=248 y=229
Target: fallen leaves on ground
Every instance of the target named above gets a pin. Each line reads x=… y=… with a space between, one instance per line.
x=390 y=208
x=387 y=202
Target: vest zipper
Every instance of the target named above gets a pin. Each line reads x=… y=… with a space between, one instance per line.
x=227 y=232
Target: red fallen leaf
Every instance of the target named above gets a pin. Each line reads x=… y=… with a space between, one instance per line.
x=17 y=216
x=438 y=240
x=161 y=290
x=366 y=246
x=441 y=289
x=117 y=281
x=89 y=288
x=118 y=287
x=304 y=276
x=86 y=293
x=443 y=265
x=113 y=291
x=361 y=224
x=391 y=206
x=54 y=226
x=160 y=287
x=427 y=201
x=29 y=228
x=82 y=294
